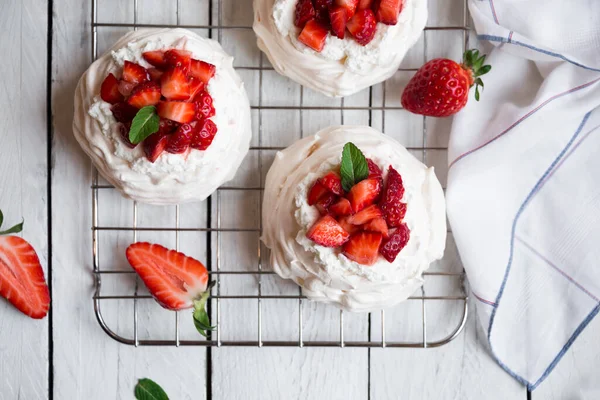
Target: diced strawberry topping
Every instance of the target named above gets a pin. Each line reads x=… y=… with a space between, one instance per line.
x=348 y=227
x=305 y=11
x=366 y=215
x=196 y=87
x=387 y=11
x=204 y=105
x=176 y=111
x=202 y=70
x=374 y=170
x=339 y=18
x=135 y=73
x=333 y=182
x=363 y=247
x=155 y=74
x=109 y=91
x=325 y=202
x=174 y=84
x=322 y=11
x=167 y=126
x=125 y=88
x=362 y=26
x=316 y=192
x=203 y=134
x=364 y=193
x=397 y=241
x=156 y=58
x=377 y=225
x=364 y=4
x=341 y=207
x=314 y=35
x=327 y=232
x=391 y=203
x=179 y=142
x=124 y=131
x=154 y=145
x=123 y=112
x=146 y=94
x=178 y=58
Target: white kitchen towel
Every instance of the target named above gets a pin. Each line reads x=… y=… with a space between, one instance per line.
x=524 y=181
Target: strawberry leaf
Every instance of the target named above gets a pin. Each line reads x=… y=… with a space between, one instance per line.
x=354 y=167
x=15 y=229
x=144 y=124
x=1 y=218
x=201 y=318
x=147 y=389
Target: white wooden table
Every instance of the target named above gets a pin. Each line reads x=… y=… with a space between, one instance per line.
x=45 y=177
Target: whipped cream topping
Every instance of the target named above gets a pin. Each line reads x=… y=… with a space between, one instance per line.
x=324 y=273
x=344 y=67
x=173 y=178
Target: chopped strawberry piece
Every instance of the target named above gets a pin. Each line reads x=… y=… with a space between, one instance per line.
x=22 y=280
x=178 y=58
x=204 y=106
x=202 y=70
x=364 y=4
x=174 y=84
x=154 y=145
x=325 y=202
x=167 y=126
x=135 y=73
x=196 y=87
x=377 y=225
x=387 y=11
x=109 y=91
x=348 y=227
x=123 y=112
x=374 y=170
x=339 y=18
x=327 y=232
x=364 y=193
x=314 y=35
x=180 y=141
x=363 y=247
x=203 y=134
x=305 y=11
x=397 y=241
x=156 y=58
x=146 y=94
x=333 y=182
x=174 y=279
x=341 y=207
x=362 y=26
x=316 y=192
x=391 y=203
x=322 y=11
x=349 y=5
x=366 y=215
x=125 y=88
x=124 y=131
x=176 y=111
x=155 y=74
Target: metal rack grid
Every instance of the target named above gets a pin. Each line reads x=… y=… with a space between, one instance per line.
x=216 y=271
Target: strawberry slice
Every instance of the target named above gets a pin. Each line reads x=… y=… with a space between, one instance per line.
x=123 y=112
x=156 y=58
x=364 y=193
x=341 y=207
x=124 y=129
x=202 y=70
x=109 y=91
x=325 y=202
x=374 y=170
x=377 y=225
x=316 y=192
x=366 y=215
x=125 y=88
x=363 y=247
x=339 y=18
x=387 y=11
x=196 y=87
x=364 y=4
x=167 y=126
x=155 y=74
x=362 y=26
x=204 y=134
x=178 y=58
x=349 y=5
x=348 y=227
x=204 y=106
x=391 y=203
x=327 y=232
x=305 y=11
x=333 y=183
x=179 y=142
x=135 y=73
x=22 y=280
x=174 y=84
x=146 y=94
x=154 y=145
x=314 y=35
x=177 y=111
x=397 y=241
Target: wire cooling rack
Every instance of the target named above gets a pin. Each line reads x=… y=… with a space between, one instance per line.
x=214 y=230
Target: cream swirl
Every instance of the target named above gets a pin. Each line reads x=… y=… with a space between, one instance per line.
x=324 y=273
x=173 y=178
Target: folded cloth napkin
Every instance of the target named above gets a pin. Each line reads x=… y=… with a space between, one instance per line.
x=524 y=181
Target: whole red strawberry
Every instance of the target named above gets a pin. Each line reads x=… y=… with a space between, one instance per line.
x=440 y=88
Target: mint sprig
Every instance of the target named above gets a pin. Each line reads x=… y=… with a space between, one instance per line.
x=147 y=389
x=354 y=167
x=201 y=318
x=15 y=229
x=144 y=124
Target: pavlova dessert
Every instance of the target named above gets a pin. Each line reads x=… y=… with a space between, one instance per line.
x=163 y=116
x=352 y=217
x=338 y=47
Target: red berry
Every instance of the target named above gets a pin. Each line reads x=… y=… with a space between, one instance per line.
x=196 y=87
x=341 y=207
x=387 y=11
x=348 y=227
x=366 y=215
x=204 y=134
x=174 y=84
x=362 y=26
x=349 y=5
x=363 y=247
x=333 y=183
x=316 y=192
x=146 y=94
x=155 y=74
x=156 y=58
x=178 y=58
x=374 y=170
x=339 y=18
x=177 y=111
x=154 y=145
x=327 y=232
x=204 y=106
x=325 y=202
x=135 y=73
x=180 y=141
x=202 y=70
x=305 y=11
x=125 y=88
x=397 y=241
x=377 y=225
x=123 y=112
x=109 y=91
x=364 y=193
x=364 y=4
x=391 y=203
x=314 y=35
x=124 y=131
x=167 y=126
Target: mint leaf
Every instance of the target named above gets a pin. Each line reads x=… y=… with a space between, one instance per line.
x=354 y=167
x=201 y=319
x=144 y=124
x=15 y=229
x=147 y=389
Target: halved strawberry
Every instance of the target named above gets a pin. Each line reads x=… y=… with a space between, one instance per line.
x=391 y=203
x=364 y=193
x=156 y=58
x=314 y=35
x=124 y=131
x=339 y=18
x=125 y=87
x=387 y=11
x=155 y=74
x=154 y=145
x=202 y=70
x=146 y=94
x=325 y=202
x=174 y=279
x=397 y=241
x=377 y=225
x=180 y=141
x=363 y=247
x=316 y=192
x=204 y=105
x=178 y=58
x=305 y=11
x=22 y=280
x=333 y=182
x=203 y=134
x=349 y=5
x=364 y=4
x=341 y=207
x=176 y=111
x=348 y=227
x=174 y=84
x=363 y=26
x=196 y=87
x=366 y=215
x=327 y=232
x=374 y=170
x=135 y=73
x=109 y=91
x=123 y=112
